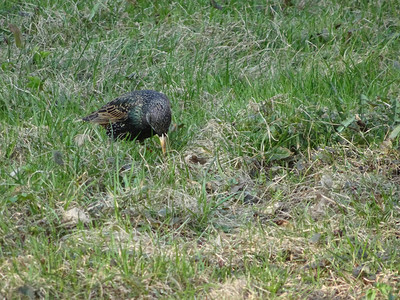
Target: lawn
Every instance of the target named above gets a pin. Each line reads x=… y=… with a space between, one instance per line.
x=282 y=175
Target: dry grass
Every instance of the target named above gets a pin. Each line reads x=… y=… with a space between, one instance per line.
x=271 y=188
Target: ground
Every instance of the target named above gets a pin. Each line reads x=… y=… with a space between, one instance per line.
x=282 y=177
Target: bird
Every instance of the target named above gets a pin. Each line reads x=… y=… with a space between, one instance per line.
x=136 y=115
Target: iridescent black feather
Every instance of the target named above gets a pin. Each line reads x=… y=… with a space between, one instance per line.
x=135 y=115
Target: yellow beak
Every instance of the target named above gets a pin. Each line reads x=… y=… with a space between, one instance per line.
x=163 y=142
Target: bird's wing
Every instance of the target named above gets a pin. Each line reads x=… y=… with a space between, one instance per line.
x=150 y=121
x=109 y=113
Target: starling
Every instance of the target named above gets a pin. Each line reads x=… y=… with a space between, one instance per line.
x=135 y=115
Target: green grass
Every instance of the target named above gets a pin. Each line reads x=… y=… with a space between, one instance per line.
x=282 y=177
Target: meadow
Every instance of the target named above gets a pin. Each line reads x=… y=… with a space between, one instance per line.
x=282 y=176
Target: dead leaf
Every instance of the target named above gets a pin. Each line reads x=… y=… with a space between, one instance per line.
x=238 y=187
x=75 y=215
x=283 y=223
x=194 y=159
x=17 y=35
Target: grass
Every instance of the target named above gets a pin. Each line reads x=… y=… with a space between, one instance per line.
x=282 y=176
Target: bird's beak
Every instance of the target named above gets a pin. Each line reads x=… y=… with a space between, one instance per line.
x=163 y=142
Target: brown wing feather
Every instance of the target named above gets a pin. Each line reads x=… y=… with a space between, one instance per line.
x=108 y=114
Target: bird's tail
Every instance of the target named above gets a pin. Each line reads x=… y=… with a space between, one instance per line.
x=91 y=117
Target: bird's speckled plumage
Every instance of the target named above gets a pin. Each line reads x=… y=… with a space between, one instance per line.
x=135 y=115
